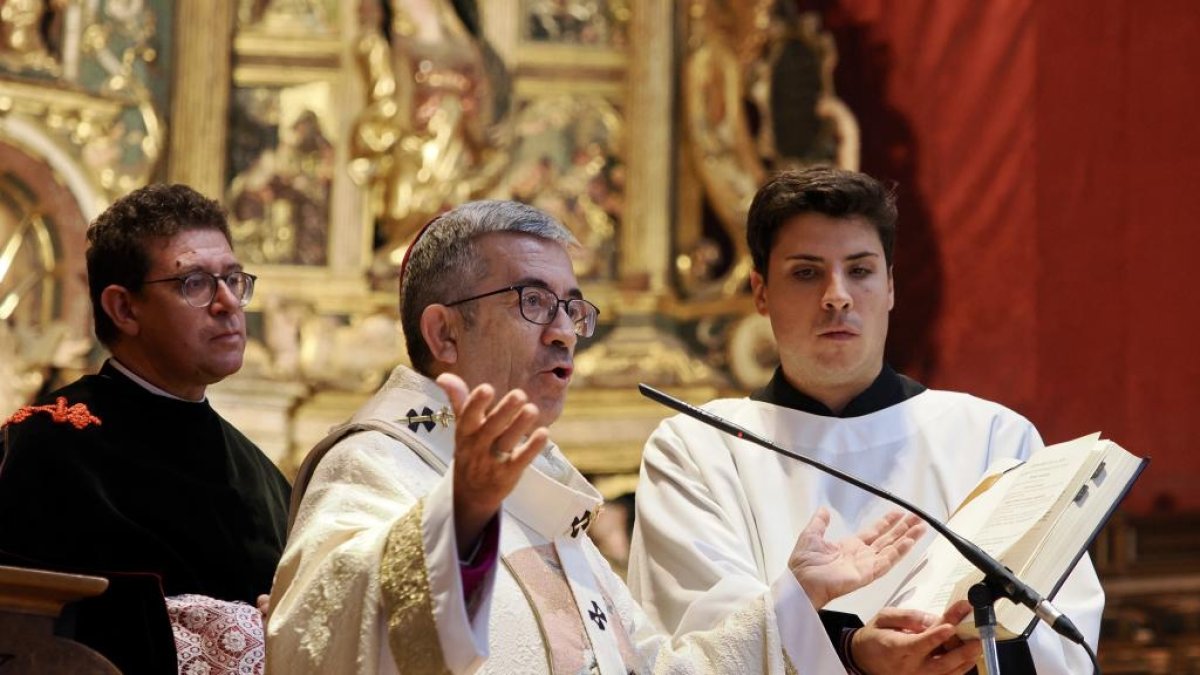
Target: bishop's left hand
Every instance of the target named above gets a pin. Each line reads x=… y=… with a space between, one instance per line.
x=827 y=570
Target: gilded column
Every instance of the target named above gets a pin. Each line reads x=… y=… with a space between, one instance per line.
x=646 y=235
x=501 y=25
x=200 y=98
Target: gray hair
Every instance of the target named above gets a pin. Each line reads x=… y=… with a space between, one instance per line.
x=445 y=262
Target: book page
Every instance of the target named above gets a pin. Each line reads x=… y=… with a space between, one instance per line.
x=1053 y=485
x=1004 y=515
x=1041 y=486
x=1074 y=528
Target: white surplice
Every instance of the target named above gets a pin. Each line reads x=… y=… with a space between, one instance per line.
x=717 y=517
x=370 y=581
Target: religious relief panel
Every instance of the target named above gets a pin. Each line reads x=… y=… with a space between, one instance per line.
x=599 y=23
x=436 y=129
x=350 y=125
x=567 y=162
x=281 y=168
x=283 y=130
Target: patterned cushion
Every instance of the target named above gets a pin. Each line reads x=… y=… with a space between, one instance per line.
x=216 y=637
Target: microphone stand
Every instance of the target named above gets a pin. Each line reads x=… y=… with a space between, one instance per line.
x=998 y=581
x=984 y=602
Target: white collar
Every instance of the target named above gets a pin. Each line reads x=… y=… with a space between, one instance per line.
x=149 y=387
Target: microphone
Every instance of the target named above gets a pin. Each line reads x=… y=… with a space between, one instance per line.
x=1002 y=579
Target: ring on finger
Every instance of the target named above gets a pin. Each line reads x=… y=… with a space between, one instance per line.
x=501 y=455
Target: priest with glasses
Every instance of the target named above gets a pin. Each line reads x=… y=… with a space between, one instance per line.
x=130 y=473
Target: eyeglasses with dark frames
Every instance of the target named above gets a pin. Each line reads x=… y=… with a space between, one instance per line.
x=199 y=288
x=540 y=305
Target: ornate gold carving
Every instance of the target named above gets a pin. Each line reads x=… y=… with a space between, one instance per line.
x=567 y=162
x=645 y=239
x=288 y=17
x=323 y=350
x=286 y=124
x=120 y=40
x=89 y=64
x=27 y=347
x=636 y=352
x=578 y=22
x=434 y=132
x=92 y=127
x=766 y=58
x=752 y=351
x=22 y=45
x=737 y=52
x=35 y=279
x=36 y=328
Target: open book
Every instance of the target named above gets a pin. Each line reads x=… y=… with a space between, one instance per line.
x=1036 y=517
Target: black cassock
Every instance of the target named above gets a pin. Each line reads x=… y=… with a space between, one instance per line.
x=105 y=477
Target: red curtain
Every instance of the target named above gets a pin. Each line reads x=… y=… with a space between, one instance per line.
x=1044 y=151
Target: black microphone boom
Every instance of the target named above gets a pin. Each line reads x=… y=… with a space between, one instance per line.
x=1004 y=581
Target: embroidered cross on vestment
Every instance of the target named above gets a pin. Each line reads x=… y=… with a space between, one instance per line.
x=597 y=615
x=427 y=418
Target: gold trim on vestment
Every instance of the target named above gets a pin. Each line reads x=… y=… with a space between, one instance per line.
x=407 y=601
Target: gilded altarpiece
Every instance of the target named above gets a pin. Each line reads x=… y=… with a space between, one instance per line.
x=83 y=94
x=349 y=126
x=321 y=334
x=644 y=126
x=333 y=130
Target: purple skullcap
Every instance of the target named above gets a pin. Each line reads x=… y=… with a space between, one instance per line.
x=408 y=252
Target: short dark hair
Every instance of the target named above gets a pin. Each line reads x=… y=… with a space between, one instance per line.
x=836 y=193
x=118 y=239
x=445 y=262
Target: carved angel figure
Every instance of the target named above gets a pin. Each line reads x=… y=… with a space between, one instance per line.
x=434 y=132
x=767 y=57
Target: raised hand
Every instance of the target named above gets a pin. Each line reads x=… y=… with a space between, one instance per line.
x=492 y=446
x=909 y=642
x=827 y=570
